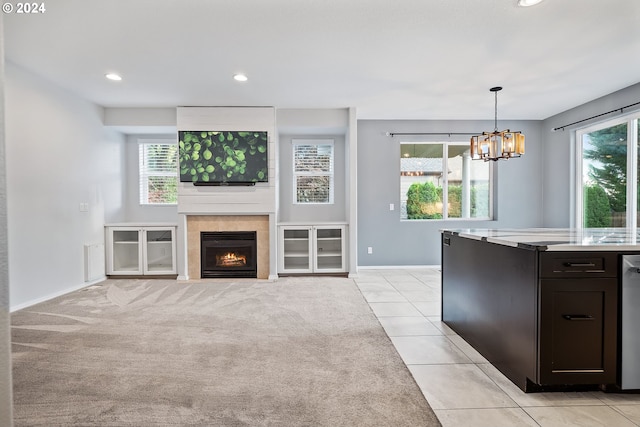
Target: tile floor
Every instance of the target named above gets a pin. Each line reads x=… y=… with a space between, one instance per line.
x=461 y=386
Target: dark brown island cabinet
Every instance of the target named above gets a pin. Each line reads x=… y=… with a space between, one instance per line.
x=542 y=305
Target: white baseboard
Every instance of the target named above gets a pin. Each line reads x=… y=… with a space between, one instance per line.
x=55 y=294
x=398 y=267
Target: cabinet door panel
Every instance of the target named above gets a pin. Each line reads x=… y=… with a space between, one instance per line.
x=295 y=249
x=578 y=331
x=159 y=255
x=125 y=250
x=329 y=249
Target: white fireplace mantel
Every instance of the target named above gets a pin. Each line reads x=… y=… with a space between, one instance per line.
x=230 y=206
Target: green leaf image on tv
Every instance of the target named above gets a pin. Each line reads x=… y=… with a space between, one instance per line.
x=218 y=157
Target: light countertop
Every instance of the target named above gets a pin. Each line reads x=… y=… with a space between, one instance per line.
x=557 y=239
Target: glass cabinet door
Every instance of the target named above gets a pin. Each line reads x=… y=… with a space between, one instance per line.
x=126 y=251
x=329 y=249
x=296 y=250
x=159 y=254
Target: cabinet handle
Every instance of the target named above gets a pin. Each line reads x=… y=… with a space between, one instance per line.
x=579 y=264
x=578 y=316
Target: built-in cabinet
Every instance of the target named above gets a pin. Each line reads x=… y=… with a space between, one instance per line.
x=578 y=317
x=312 y=249
x=141 y=250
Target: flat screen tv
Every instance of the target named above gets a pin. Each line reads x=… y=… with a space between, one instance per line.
x=223 y=157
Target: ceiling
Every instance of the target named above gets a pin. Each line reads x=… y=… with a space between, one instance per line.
x=402 y=59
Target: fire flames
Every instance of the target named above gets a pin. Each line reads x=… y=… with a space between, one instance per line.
x=231 y=259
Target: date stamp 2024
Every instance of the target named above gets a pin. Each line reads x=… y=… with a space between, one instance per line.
x=24 y=8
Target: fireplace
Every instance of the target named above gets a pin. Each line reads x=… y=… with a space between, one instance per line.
x=228 y=254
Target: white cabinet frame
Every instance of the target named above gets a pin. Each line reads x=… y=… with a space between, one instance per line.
x=312 y=249
x=134 y=250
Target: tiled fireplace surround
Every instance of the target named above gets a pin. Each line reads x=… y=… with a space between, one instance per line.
x=199 y=223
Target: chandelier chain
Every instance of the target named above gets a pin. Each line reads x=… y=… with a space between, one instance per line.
x=495 y=123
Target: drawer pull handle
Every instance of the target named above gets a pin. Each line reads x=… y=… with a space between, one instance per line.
x=578 y=316
x=579 y=264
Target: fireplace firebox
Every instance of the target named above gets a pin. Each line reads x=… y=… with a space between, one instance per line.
x=228 y=254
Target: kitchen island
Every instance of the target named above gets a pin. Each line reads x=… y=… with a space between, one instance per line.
x=542 y=305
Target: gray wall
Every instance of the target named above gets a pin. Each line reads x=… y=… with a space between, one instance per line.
x=557 y=165
x=517 y=199
x=290 y=212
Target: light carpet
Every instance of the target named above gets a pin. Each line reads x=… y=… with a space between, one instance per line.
x=302 y=351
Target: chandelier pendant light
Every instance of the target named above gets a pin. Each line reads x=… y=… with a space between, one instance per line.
x=497 y=145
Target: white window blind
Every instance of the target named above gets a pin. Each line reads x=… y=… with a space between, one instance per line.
x=313 y=171
x=158 y=166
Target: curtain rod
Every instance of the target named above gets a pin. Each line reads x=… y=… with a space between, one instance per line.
x=433 y=133
x=621 y=109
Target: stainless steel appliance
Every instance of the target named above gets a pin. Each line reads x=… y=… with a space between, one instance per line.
x=630 y=344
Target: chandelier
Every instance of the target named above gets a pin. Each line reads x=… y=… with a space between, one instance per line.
x=497 y=145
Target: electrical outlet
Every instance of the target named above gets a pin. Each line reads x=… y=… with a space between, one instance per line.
x=391 y=206
x=369 y=250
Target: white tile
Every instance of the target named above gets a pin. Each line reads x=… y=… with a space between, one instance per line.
x=428 y=308
x=540 y=399
x=615 y=399
x=499 y=417
x=371 y=281
x=408 y=326
x=466 y=348
x=632 y=412
x=414 y=285
x=399 y=274
x=383 y=296
x=381 y=309
x=441 y=325
x=436 y=349
x=459 y=387
x=578 y=416
x=423 y=295
x=376 y=287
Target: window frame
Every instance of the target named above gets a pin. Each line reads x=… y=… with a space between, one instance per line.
x=631 y=120
x=143 y=183
x=296 y=174
x=445 y=182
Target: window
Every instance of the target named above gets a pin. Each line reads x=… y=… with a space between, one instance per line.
x=607 y=173
x=313 y=171
x=158 y=166
x=428 y=193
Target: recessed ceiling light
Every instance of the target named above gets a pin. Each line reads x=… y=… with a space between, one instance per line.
x=113 y=76
x=240 y=78
x=527 y=3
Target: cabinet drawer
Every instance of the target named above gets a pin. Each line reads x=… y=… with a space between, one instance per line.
x=584 y=264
